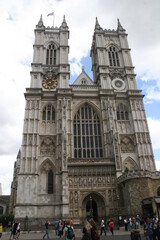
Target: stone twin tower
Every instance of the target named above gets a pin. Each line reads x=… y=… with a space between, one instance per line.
x=86 y=149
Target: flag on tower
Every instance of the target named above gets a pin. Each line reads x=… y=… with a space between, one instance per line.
x=50 y=14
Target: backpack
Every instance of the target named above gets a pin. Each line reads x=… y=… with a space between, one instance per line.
x=69 y=233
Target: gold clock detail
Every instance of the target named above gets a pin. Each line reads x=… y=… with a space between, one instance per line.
x=49 y=80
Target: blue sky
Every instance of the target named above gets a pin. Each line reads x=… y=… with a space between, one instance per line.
x=18 y=20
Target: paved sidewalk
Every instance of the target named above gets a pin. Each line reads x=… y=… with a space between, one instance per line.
x=39 y=234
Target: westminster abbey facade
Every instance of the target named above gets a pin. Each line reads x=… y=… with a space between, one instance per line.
x=86 y=149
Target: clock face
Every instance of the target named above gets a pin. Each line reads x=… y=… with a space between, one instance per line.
x=49 y=81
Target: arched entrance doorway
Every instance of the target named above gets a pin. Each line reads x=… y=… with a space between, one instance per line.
x=93 y=206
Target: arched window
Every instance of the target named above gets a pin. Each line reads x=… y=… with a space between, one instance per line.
x=87 y=133
x=48 y=113
x=113 y=57
x=122 y=113
x=50 y=182
x=51 y=55
x=158 y=192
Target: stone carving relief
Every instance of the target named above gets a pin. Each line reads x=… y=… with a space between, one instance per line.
x=127 y=145
x=129 y=165
x=134 y=193
x=116 y=73
x=48 y=146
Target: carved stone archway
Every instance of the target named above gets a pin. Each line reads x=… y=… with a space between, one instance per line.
x=93 y=206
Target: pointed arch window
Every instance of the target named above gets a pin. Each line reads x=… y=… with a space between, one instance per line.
x=50 y=182
x=158 y=192
x=48 y=113
x=51 y=55
x=113 y=57
x=122 y=113
x=87 y=133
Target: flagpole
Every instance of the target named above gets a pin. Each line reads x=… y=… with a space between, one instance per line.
x=53 y=19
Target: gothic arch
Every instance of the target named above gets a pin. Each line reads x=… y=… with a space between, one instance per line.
x=129 y=164
x=112 y=44
x=51 y=42
x=79 y=105
x=93 y=205
x=46 y=170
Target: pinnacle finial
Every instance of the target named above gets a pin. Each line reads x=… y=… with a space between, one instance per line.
x=64 y=24
x=119 y=27
x=97 y=26
x=40 y=23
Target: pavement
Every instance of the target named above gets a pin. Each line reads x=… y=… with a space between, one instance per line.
x=33 y=235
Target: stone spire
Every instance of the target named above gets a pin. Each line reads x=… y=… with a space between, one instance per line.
x=97 y=26
x=119 y=26
x=40 y=23
x=64 y=24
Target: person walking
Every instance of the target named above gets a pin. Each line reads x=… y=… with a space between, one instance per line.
x=103 y=227
x=1 y=229
x=134 y=229
x=47 y=223
x=60 y=229
x=148 y=229
x=15 y=229
x=157 y=230
x=111 y=226
x=87 y=231
x=68 y=232
x=94 y=230
x=18 y=230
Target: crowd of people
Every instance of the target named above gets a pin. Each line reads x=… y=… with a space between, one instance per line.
x=150 y=227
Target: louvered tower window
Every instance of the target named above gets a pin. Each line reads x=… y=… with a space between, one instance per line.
x=113 y=57
x=122 y=113
x=51 y=55
x=48 y=113
x=87 y=133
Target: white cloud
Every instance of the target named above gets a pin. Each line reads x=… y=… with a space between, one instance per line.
x=154 y=126
x=18 y=20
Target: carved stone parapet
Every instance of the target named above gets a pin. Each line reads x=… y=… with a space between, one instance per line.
x=137 y=174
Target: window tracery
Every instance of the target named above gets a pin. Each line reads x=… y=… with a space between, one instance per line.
x=87 y=133
x=48 y=113
x=51 y=55
x=122 y=113
x=113 y=57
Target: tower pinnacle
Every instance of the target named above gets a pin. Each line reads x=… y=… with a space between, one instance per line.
x=97 y=26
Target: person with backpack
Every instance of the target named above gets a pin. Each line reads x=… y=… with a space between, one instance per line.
x=68 y=232
x=148 y=229
x=134 y=230
x=87 y=231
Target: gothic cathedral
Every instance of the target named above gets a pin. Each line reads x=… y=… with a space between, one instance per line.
x=86 y=148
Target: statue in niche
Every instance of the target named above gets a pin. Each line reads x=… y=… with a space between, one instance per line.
x=76 y=197
x=71 y=197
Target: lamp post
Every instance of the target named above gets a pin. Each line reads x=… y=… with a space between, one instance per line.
x=118 y=209
x=91 y=210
